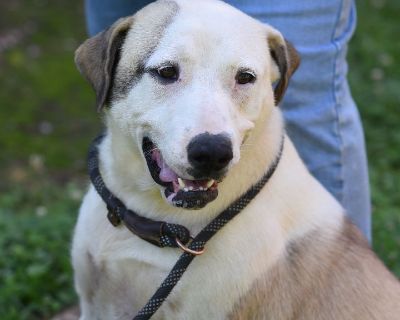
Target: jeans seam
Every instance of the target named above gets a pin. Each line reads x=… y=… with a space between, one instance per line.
x=336 y=102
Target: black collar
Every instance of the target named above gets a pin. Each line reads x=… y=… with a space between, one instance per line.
x=161 y=233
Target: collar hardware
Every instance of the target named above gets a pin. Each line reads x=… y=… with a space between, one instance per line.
x=188 y=250
x=113 y=217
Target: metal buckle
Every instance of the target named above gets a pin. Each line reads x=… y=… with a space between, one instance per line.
x=187 y=250
x=113 y=217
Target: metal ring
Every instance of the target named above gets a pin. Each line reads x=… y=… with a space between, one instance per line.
x=186 y=249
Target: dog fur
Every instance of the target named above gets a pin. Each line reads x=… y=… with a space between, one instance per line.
x=290 y=254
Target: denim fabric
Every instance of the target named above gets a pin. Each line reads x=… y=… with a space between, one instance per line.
x=321 y=116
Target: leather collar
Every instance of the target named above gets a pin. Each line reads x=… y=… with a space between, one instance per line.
x=160 y=233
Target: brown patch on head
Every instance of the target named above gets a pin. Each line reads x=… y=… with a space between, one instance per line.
x=287 y=59
x=141 y=41
x=98 y=57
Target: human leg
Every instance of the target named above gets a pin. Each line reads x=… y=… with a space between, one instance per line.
x=100 y=14
x=321 y=116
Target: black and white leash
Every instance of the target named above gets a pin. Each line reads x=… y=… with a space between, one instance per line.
x=169 y=234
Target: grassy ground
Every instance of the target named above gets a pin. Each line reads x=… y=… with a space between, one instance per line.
x=47 y=120
x=35 y=229
x=375 y=81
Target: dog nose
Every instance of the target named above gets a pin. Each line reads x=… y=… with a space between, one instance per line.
x=209 y=153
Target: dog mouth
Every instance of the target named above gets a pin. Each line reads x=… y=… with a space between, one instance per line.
x=179 y=192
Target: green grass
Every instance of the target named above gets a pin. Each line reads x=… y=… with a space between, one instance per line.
x=375 y=82
x=47 y=119
x=47 y=107
x=35 y=229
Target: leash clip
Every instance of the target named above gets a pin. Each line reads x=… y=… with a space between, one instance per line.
x=187 y=250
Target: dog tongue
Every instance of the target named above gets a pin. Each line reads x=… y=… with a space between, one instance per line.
x=166 y=173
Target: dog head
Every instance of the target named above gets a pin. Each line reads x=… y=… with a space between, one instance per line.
x=186 y=82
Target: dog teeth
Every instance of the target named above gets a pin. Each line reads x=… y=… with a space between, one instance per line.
x=182 y=184
x=186 y=188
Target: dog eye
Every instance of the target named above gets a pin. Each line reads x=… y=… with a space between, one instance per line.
x=244 y=77
x=168 y=72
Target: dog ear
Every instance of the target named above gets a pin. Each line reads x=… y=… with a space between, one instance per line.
x=98 y=56
x=286 y=58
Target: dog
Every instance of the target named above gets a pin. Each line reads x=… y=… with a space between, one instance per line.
x=198 y=83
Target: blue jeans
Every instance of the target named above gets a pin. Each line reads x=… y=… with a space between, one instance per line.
x=321 y=116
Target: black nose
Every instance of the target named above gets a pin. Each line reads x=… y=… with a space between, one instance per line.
x=209 y=153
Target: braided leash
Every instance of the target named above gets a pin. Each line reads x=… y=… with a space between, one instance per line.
x=169 y=233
